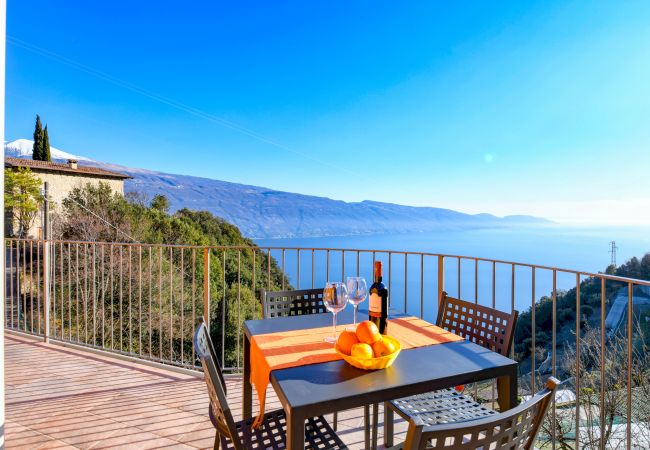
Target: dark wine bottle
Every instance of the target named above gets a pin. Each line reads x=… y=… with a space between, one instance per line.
x=378 y=308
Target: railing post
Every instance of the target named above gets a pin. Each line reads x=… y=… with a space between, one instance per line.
x=206 y=286
x=47 y=298
x=441 y=278
x=46 y=289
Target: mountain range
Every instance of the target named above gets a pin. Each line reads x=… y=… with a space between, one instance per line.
x=266 y=213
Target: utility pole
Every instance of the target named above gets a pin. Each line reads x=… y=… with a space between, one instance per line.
x=46 y=259
x=46 y=210
x=612 y=251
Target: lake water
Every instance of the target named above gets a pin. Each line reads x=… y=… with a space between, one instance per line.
x=578 y=248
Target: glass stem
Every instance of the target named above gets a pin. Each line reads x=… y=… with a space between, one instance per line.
x=334 y=327
x=355 y=315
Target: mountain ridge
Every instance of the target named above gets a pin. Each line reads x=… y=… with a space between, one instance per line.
x=261 y=212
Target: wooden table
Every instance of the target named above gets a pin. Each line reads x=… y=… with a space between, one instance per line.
x=324 y=388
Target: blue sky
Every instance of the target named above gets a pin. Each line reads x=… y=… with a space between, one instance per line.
x=505 y=107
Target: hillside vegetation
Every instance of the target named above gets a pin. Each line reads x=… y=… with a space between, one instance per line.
x=95 y=214
x=590 y=302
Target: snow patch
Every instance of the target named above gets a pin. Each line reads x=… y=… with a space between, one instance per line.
x=21 y=148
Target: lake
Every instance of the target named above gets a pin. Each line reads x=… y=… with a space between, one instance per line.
x=579 y=248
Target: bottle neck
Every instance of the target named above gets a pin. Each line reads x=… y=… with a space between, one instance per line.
x=378 y=271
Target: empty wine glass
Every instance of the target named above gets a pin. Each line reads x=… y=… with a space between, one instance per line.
x=335 y=297
x=357 y=293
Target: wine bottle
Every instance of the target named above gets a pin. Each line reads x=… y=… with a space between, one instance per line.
x=378 y=308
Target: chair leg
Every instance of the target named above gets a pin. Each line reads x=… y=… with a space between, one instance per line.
x=217 y=441
x=366 y=426
x=388 y=425
x=335 y=419
x=375 y=425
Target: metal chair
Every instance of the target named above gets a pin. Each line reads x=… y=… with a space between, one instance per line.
x=488 y=327
x=514 y=429
x=293 y=303
x=271 y=434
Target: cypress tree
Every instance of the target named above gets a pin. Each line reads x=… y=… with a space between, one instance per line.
x=47 y=156
x=37 y=150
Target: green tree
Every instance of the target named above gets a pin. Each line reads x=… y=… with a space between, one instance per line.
x=22 y=197
x=37 y=150
x=47 y=155
x=160 y=203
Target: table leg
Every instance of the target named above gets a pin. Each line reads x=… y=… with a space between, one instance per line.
x=375 y=425
x=388 y=425
x=247 y=409
x=507 y=391
x=295 y=431
x=366 y=425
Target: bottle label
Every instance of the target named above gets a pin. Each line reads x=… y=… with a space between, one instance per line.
x=375 y=303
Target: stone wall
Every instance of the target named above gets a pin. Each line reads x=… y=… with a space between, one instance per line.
x=60 y=185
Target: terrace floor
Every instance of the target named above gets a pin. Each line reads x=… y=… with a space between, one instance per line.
x=66 y=398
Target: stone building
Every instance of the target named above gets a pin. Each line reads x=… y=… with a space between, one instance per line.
x=62 y=178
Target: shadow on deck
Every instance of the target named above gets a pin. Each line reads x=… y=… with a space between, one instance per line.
x=62 y=397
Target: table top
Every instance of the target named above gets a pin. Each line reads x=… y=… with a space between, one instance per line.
x=290 y=323
x=331 y=386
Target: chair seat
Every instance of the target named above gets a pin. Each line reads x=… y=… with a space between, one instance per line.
x=272 y=433
x=443 y=406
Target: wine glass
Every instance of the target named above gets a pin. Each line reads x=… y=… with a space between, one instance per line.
x=335 y=297
x=357 y=293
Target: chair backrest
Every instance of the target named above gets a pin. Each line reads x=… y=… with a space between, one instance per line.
x=293 y=303
x=219 y=409
x=488 y=327
x=512 y=430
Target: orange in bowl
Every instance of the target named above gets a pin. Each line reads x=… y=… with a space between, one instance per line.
x=368 y=333
x=383 y=347
x=346 y=340
x=362 y=351
x=363 y=356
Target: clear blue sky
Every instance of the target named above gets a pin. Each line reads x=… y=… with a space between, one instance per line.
x=504 y=107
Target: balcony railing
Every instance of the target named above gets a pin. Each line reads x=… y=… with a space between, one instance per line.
x=143 y=300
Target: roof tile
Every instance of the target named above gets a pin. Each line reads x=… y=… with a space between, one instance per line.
x=60 y=167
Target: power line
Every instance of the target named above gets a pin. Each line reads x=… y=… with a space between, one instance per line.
x=103 y=220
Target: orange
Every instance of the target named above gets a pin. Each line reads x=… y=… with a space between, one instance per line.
x=383 y=347
x=367 y=332
x=362 y=351
x=346 y=340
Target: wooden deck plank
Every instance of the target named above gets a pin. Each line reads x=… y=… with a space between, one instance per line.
x=60 y=397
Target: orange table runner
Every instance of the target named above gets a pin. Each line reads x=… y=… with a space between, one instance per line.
x=302 y=347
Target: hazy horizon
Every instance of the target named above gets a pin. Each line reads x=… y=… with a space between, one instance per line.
x=550 y=223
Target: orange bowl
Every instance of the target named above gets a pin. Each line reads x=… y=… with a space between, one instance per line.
x=373 y=363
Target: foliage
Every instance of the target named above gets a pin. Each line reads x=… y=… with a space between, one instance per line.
x=161 y=203
x=47 y=154
x=635 y=268
x=590 y=304
x=586 y=366
x=96 y=214
x=22 y=197
x=41 y=149
x=37 y=151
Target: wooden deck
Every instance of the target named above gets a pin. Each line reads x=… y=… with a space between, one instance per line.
x=64 y=398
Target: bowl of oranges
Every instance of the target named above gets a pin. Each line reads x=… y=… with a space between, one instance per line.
x=366 y=348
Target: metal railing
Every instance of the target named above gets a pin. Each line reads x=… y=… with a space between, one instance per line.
x=143 y=300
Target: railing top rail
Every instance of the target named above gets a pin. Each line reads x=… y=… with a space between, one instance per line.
x=355 y=250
